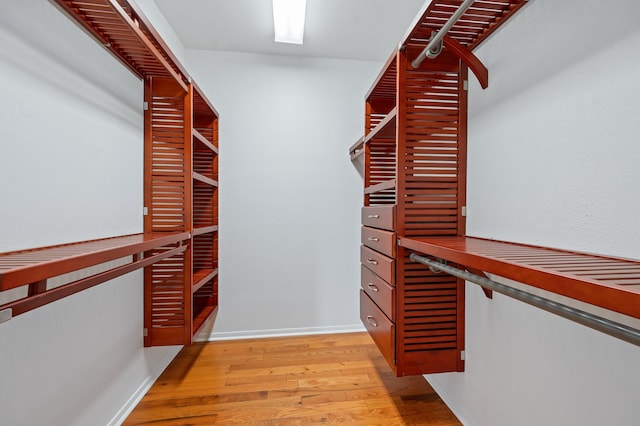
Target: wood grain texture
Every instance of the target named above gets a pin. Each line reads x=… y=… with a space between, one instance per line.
x=590 y=278
x=339 y=379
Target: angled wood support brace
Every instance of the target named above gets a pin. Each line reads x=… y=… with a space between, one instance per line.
x=487 y=291
x=439 y=38
x=475 y=65
x=472 y=61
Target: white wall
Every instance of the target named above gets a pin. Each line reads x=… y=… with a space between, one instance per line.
x=553 y=160
x=289 y=196
x=159 y=22
x=70 y=170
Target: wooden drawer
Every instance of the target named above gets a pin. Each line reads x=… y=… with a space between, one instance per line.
x=383 y=266
x=379 y=240
x=382 y=330
x=383 y=217
x=381 y=292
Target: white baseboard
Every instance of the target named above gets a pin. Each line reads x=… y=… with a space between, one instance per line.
x=154 y=372
x=281 y=332
x=452 y=403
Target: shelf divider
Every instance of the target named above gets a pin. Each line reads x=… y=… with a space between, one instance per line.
x=386 y=129
x=202 y=178
x=204 y=141
x=382 y=186
x=202 y=277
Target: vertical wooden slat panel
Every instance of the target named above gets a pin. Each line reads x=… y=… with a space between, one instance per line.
x=167 y=197
x=188 y=184
x=462 y=146
x=432 y=156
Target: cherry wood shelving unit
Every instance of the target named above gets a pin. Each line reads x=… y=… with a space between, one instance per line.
x=414 y=160
x=181 y=181
x=179 y=247
x=414 y=155
x=204 y=209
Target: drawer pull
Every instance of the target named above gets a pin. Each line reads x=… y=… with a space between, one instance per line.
x=373 y=287
x=374 y=239
x=372 y=321
x=373 y=262
x=374 y=216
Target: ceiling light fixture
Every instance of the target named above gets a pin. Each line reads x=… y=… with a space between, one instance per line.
x=288 y=20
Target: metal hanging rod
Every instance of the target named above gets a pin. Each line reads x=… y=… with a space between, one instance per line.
x=434 y=47
x=596 y=322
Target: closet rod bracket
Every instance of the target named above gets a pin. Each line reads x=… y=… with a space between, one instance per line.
x=432 y=50
x=6 y=315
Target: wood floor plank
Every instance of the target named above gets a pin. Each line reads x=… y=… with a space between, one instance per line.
x=338 y=379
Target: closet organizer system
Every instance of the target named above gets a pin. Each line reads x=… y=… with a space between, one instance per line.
x=415 y=256
x=178 y=249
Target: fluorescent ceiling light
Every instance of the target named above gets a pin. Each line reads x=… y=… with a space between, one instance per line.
x=288 y=20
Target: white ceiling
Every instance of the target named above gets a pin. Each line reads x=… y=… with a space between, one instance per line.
x=345 y=29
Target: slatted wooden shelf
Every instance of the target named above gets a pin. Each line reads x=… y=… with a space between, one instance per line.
x=203 y=307
x=201 y=178
x=608 y=282
x=474 y=26
x=33 y=267
x=200 y=138
x=202 y=277
x=382 y=186
x=382 y=92
x=28 y=266
x=117 y=27
x=385 y=129
x=203 y=109
x=205 y=230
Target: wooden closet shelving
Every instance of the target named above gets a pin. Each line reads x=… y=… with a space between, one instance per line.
x=123 y=30
x=609 y=282
x=180 y=170
x=32 y=268
x=416 y=314
x=414 y=151
x=205 y=209
x=411 y=178
x=24 y=267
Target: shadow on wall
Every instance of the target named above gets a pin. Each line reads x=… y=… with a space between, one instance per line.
x=575 y=20
x=47 y=54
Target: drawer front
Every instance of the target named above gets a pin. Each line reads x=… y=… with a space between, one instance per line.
x=383 y=217
x=383 y=266
x=382 y=330
x=379 y=240
x=382 y=293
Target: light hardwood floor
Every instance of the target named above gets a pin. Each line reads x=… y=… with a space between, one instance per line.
x=338 y=379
